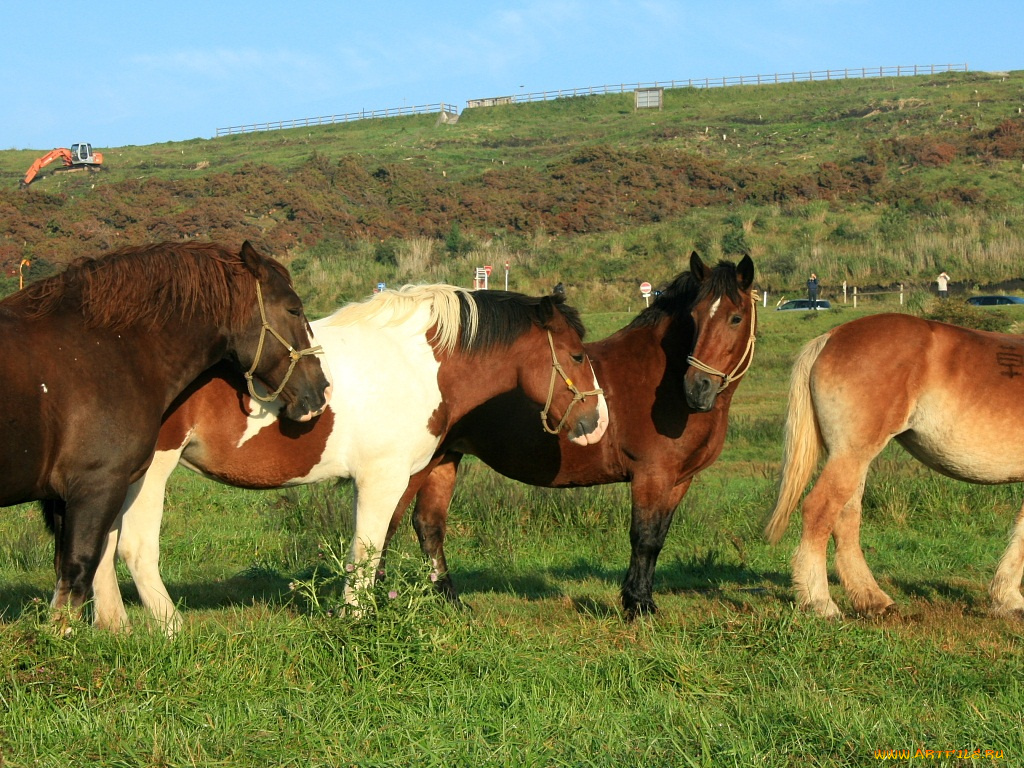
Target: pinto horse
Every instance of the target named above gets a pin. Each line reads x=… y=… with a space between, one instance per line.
x=669 y=377
x=94 y=355
x=945 y=389
x=408 y=364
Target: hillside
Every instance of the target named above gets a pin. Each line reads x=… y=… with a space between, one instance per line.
x=873 y=181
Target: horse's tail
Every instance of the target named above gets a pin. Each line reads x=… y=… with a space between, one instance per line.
x=802 y=442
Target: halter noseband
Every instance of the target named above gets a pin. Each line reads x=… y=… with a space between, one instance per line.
x=577 y=396
x=745 y=360
x=293 y=354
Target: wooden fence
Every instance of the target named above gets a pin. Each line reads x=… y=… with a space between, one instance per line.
x=305 y=122
x=721 y=82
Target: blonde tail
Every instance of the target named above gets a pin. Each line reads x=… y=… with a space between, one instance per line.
x=802 y=442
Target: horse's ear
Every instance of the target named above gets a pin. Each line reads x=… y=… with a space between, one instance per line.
x=698 y=269
x=745 y=273
x=251 y=258
x=546 y=310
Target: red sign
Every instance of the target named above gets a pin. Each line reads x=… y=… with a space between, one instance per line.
x=487 y=269
x=645 y=288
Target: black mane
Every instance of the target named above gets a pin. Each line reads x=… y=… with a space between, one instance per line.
x=684 y=291
x=504 y=316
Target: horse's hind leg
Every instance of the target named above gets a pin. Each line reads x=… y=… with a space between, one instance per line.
x=854 y=574
x=430 y=520
x=1005 y=588
x=833 y=495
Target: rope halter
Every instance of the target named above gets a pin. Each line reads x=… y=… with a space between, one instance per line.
x=745 y=359
x=293 y=354
x=577 y=396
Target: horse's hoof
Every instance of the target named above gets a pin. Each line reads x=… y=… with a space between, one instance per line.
x=1013 y=613
x=640 y=609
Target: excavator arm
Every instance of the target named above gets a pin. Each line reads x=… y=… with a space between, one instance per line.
x=44 y=161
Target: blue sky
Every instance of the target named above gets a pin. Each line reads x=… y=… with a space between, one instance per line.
x=120 y=73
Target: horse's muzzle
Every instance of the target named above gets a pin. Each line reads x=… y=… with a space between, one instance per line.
x=590 y=428
x=701 y=391
x=309 y=406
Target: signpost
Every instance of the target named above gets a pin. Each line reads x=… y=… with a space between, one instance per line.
x=645 y=291
x=506 y=275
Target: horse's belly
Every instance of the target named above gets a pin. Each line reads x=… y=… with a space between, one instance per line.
x=967 y=455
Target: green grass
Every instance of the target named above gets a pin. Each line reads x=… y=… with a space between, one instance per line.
x=542 y=670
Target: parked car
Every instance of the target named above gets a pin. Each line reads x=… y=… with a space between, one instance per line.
x=803 y=304
x=994 y=301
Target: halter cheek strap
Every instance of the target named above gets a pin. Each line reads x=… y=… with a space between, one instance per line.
x=293 y=354
x=745 y=360
x=577 y=396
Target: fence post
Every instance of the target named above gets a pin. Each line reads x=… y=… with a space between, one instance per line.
x=855 y=297
x=901 y=294
x=844 y=291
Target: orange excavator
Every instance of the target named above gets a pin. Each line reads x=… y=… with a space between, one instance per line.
x=80 y=156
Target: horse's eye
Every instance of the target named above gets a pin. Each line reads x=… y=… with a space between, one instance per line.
x=295 y=312
x=736 y=319
x=577 y=358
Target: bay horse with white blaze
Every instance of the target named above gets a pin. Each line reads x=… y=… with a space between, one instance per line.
x=94 y=355
x=669 y=377
x=407 y=364
x=945 y=391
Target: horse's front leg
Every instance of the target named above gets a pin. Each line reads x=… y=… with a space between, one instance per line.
x=430 y=520
x=654 y=504
x=378 y=491
x=86 y=520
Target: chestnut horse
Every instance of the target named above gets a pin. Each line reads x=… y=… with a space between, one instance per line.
x=408 y=364
x=944 y=390
x=94 y=355
x=669 y=377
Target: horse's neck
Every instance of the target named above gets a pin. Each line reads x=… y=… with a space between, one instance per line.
x=183 y=350
x=642 y=356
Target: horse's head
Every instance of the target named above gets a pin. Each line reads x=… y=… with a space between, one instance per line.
x=572 y=397
x=725 y=321
x=277 y=346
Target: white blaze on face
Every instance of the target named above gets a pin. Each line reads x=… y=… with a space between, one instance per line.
x=714 y=308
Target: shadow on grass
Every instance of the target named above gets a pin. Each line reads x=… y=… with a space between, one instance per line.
x=700 y=575
x=16 y=600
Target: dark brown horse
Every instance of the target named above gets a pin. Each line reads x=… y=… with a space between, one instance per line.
x=669 y=377
x=94 y=355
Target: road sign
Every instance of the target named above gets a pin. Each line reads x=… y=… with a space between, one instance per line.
x=488 y=269
x=645 y=288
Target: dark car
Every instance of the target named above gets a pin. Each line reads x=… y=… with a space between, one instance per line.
x=804 y=304
x=994 y=301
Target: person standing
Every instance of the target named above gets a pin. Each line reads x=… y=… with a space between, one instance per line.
x=943 y=282
x=812 y=289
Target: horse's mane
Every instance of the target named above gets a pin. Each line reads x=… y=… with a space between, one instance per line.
x=146 y=284
x=684 y=291
x=505 y=316
x=479 y=320
x=453 y=312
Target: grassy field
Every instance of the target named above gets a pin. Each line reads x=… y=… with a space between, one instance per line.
x=542 y=670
